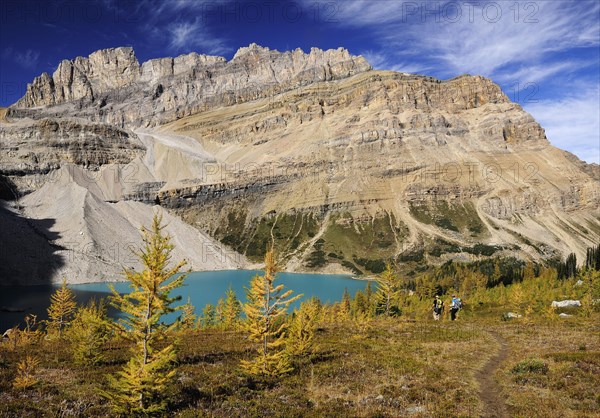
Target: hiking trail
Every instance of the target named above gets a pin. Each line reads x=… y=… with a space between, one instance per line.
x=489 y=390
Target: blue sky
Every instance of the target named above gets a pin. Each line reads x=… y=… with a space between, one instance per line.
x=544 y=54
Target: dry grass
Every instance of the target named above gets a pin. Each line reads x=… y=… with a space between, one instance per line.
x=390 y=368
x=567 y=383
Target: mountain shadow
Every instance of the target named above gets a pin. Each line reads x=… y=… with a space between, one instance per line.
x=16 y=302
x=27 y=256
x=8 y=189
x=27 y=252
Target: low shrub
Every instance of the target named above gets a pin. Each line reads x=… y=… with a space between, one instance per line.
x=531 y=366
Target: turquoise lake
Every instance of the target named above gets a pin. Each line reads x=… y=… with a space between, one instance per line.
x=201 y=287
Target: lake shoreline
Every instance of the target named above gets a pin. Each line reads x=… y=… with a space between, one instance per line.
x=349 y=276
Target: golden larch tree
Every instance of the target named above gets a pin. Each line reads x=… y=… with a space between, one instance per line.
x=26 y=373
x=265 y=311
x=61 y=310
x=388 y=288
x=344 y=307
x=517 y=297
x=473 y=281
x=301 y=330
x=209 y=316
x=188 y=318
x=139 y=387
x=229 y=310
x=89 y=331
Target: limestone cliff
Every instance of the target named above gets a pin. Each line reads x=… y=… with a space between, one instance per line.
x=111 y=86
x=384 y=165
x=341 y=166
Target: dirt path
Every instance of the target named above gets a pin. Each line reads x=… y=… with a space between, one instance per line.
x=489 y=391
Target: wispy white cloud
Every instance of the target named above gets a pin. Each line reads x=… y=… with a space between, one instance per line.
x=540 y=72
x=572 y=123
x=159 y=9
x=544 y=44
x=485 y=47
x=480 y=38
x=180 y=25
x=382 y=61
x=182 y=34
x=190 y=35
x=27 y=59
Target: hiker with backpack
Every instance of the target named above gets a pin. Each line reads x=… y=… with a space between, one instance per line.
x=438 y=308
x=455 y=306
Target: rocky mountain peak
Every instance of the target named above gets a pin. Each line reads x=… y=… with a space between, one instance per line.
x=253 y=48
x=81 y=77
x=111 y=86
x=315 y=56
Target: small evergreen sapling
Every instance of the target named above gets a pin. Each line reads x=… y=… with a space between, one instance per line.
x=140 y=387
x=61 y=310
x=301 y=329
x=265 y=312
x=89 y=331
x=388 y=289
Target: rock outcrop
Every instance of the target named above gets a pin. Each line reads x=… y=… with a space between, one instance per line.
x=40 y=146
x=83 y=78
x=31 y=151
x=566 y=304
x=66 y=229
x=453 y=167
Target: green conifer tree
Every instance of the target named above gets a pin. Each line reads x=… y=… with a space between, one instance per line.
x=497 y=274
x=592 y=260
x=139 y=388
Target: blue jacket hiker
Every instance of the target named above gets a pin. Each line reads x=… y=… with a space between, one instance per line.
x=455 y=306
